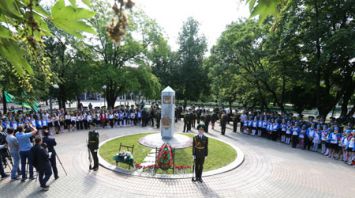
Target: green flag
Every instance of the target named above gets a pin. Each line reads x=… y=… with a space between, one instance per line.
x=9 y=97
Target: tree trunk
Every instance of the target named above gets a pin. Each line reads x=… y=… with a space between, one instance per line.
x=230 y=106
x=78 y=105
x=4 y=103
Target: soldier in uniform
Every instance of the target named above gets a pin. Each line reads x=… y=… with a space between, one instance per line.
x=224 y=119
x=93 y=145
x=199 y=152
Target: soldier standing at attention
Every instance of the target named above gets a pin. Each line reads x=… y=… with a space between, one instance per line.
x=199 y=152
x=224 y=119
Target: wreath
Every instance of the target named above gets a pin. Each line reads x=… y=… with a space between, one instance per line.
x=165 y=157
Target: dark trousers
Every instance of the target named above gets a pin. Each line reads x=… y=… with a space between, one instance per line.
x=199 y=161
x=2 y=172
x=26 y=155
x=44 y=175
x=307 y=143
x=94 y=156
x=294 y=139
x=185 y=126
x=223 y=129
x=53 y=161
x=235 y=124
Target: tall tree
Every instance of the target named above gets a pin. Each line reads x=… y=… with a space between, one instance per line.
x=192 y=75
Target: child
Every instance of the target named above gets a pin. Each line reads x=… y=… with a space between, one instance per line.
x=283 y=130
x=333 y=140
x=288 y=133
x=324 y=139
x=343 y=143
x=295 y=133
x=301 y=137
x=309 y=136
x=351 y=147
x=316 y=139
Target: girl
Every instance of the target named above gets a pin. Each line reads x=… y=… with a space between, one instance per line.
x=288 y=133
x=283 y=130
x=316 y=139
x=324 y=139
x=351 y=147
x=295 y=132
x=301 y=137
x=333 y=140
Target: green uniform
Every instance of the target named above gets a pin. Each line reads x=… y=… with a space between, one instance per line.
x=199 y=151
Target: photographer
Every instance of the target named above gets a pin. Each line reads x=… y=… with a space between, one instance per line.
x=50 y=142
x=41 y=162
x=14 y=149
x=25 y=147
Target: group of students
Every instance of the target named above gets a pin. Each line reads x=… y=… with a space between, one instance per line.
x=330 y=139
x=25 y=146
x=61 y=120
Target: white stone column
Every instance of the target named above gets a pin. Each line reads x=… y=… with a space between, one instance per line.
x=167 y=113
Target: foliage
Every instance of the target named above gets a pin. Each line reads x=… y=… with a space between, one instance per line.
x=23 y=27
x=190 y=73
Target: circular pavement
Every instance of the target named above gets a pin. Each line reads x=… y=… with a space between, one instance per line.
x=270 y=169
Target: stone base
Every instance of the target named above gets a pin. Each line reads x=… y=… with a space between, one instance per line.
x=154 y=140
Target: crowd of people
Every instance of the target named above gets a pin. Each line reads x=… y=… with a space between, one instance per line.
x=26 y=138
x=331 y=139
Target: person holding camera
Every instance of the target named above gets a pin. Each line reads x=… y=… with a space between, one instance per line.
x=41 y=162
x=25 y=149
x=14 y=149
x=50 y=143
x=2 y=171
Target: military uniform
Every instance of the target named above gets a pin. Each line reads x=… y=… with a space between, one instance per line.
x=199 y=151
x=93 y=145
x=224 y=120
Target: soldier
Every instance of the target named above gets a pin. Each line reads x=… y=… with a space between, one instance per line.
x=199 y=152
x=93 y=145
x=224 y=119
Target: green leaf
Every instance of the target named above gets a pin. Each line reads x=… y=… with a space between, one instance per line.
x=10 y=8
x=39 y=10
x=72 y=19
x=15 y=55
x=87 y=2
x=5 y=33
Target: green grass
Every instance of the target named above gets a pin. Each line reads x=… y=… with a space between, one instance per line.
x=109 y=149
x=219 y=153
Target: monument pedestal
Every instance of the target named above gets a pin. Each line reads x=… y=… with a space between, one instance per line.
x=178 y=141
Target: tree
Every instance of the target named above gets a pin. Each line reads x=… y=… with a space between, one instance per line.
x=192 y=77
x=117 y=62
x=24 y=25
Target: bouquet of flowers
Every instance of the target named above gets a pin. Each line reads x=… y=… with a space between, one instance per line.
x=124 y=157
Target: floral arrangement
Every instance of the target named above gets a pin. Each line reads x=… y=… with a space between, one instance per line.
x=165 y=159
x=124 y=157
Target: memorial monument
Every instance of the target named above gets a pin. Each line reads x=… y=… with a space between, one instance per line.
x=167 y=125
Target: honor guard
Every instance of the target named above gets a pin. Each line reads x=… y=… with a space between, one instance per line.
x=93 y=145
x=199 y=152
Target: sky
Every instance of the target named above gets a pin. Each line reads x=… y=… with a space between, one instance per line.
x=213 y=15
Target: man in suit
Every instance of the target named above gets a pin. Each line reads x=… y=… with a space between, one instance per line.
x=40 y=159
x=199 y=152
x=50 y=143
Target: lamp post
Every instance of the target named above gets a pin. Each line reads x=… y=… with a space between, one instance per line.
x=55 y=86
x=104 y=88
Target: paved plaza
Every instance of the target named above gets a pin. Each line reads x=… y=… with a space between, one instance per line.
x=270 y=169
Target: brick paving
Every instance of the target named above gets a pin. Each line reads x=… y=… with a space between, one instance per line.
x=270 y=169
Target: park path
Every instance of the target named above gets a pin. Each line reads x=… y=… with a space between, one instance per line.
x=270 y=169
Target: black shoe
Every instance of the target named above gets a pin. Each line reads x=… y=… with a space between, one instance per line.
x=200 y=180
x=193 y=180
x=4 y=176
x=45 y=188
x=32 y=178
x=23 y=179
x=56 y=177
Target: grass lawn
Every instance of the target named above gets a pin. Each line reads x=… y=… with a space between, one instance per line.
x=219 y=153
x=109 y=149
